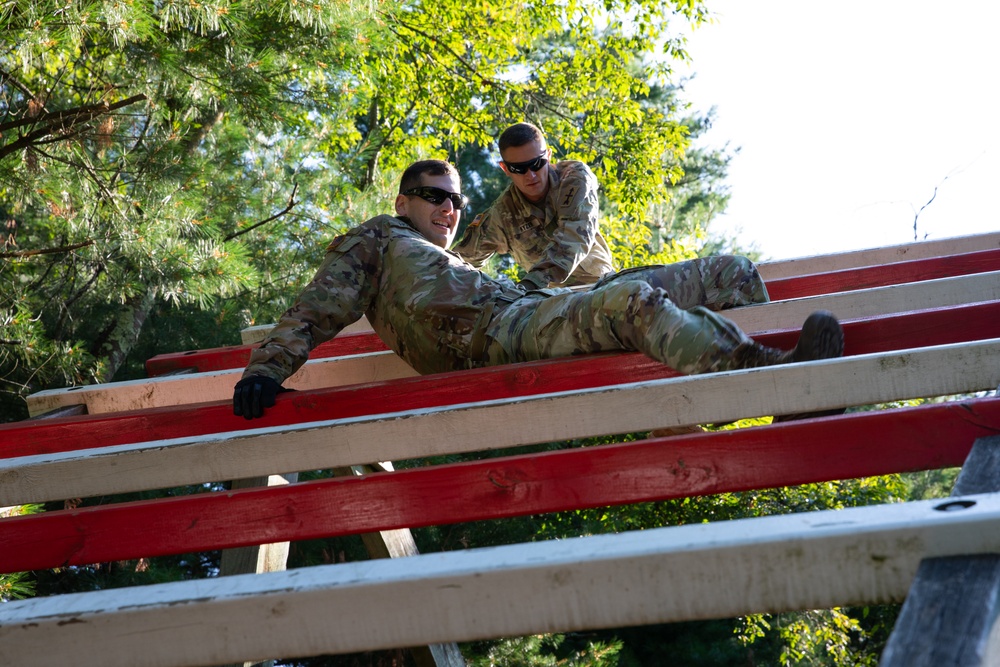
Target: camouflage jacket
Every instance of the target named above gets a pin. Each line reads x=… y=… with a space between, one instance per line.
x=558 y=241
x=426 y=303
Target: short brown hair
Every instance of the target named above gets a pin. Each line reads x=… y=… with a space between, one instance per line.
x=519 y=134
x=412 y=176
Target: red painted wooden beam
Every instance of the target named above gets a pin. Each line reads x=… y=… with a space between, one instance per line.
x=885 y=274
x=223 y=358
x=237 y=356
x=824 y=449
x=907 y=330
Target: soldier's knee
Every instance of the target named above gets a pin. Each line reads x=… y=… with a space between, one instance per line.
x=623 y=295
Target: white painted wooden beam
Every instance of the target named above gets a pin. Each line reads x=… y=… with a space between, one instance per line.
x=801 y=266
x=812 y=560
x=340 y=371
x=642 y=406
x=256 y=334
x=871 y=302
x=166 y=390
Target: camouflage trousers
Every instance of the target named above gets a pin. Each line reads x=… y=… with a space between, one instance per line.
x=665 y=312
x=717 y=283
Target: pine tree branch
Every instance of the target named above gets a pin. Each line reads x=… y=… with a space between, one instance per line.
x=59 y=122
x=291 y=204
x=44 y=251
x=5 y=77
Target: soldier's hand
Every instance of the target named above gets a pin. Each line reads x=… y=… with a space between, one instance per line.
x=253 y=394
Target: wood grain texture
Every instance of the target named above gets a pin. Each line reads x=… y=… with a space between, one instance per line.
x=951 y=612
x=819 y=450
x=643 y=406
x=800 y=266
x=811 y=560
x=891 y=332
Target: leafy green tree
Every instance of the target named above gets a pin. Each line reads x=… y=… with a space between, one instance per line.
x=171 y=172
x=200 y=154
x=16 y=585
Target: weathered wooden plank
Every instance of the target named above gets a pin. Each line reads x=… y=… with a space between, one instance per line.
x=855 y=556
x=216 y=385
x=951 y=611
x=156 y=392
x=800 y=266
x=258 y=557
x=882 y=275
x=843 y=447
x=73 y=410
x=237 y=356
x=567 y=374
x=255 y=558
x=643 y=406
x=891 y=332
x=257 y=333
x=398 y=542
x=877 y=301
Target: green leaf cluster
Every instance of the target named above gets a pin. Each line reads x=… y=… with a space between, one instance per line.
x=171 y=172
x=158 y=155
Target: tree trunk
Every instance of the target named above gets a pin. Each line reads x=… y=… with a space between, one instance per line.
x=125 y=332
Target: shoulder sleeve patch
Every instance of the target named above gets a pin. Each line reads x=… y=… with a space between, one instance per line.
x=478 y=220
x=568 y=195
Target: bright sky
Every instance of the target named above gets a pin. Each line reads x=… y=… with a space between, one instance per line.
x=849 y=115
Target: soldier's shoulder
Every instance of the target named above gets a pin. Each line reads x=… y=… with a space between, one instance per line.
x=574 y=168
x=379 y=227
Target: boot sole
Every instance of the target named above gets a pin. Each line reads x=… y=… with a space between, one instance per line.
x=822 y=338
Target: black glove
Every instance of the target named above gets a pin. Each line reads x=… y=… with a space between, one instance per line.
x=253 y=394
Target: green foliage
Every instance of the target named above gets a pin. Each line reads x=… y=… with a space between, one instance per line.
x=171 y=172
x=557 y=650
x=176 y=154
x=17 y=585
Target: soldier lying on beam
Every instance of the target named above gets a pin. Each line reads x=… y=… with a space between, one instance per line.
x=440 y=314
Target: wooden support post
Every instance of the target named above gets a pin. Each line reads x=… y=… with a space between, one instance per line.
x=398 y=544
x=259 y=557
x=385 y=544
x=950 y=616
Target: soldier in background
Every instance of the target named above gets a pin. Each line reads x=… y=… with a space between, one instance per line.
x=548 y=221
x=440 y=314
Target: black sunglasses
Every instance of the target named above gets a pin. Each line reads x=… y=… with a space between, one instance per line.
x=437 y=196
x=525 y=167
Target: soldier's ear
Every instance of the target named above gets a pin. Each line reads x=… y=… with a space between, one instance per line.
x=401 y=202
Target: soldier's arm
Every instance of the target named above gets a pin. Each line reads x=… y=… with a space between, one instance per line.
x=576 y=233
x=341 y=291
x=480 y=241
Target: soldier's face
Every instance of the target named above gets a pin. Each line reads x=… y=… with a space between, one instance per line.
x=534 y=185
x=437 y=222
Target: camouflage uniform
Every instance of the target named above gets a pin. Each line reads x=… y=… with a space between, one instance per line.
x=559 y=238
x=440 y=314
